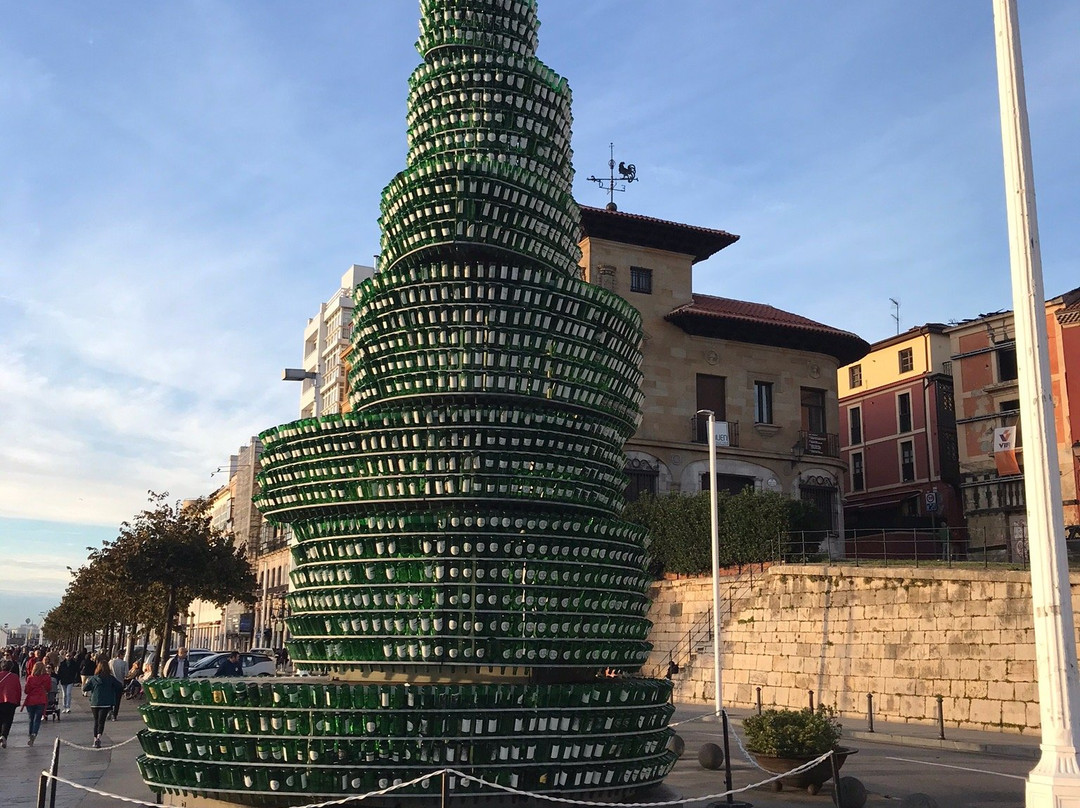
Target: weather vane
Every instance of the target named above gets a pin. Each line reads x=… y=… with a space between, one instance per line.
x=627 y=174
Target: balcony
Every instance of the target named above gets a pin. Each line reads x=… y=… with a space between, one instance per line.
x=727 y=432
x=820 y=444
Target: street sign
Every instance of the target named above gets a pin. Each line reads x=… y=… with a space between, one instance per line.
x=931 y=502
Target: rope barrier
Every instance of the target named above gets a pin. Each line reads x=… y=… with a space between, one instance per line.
x=74 y=745
x=468 y=777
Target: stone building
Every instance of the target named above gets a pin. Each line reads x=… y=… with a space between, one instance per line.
x=768 y=375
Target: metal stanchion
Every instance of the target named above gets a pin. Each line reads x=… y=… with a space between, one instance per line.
x=811 y=692
x=53 y=769
x=445 y=790
x=870 y=712
x=759 y=701
x=838 y=799
x=42 y=789
x=941 y=716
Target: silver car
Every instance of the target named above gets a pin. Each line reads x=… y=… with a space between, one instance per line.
x=252 y=663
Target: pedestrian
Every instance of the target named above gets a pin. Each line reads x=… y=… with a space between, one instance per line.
x=230 y=666
x=119 y=668
x=68 y=675
x=87 y=668
x=32 y=661
x=178 y=666
x=35 y=698
x=104 y=690
x=10 y=696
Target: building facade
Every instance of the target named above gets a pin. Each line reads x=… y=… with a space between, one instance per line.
x=985 y=365
x=326 y=337
x=232 y=510
x=768 y=376
x=898 y=438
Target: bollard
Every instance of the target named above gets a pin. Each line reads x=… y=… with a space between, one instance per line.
x=759 y=701
x=870 y=712
x=811 y=692
x=727 y=758
x=941 y=716
x=53 y=770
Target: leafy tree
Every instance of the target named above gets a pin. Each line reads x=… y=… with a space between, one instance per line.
x=173 y=552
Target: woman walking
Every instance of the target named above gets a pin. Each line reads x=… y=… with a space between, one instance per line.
x=10 y=696
x=104 y=690
x=35 y=698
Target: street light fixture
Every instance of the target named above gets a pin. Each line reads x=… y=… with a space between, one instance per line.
x=301 y=375
x=714 y=535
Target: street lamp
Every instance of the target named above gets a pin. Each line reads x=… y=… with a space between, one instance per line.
x=714 y=535
x=1055 y=779
x=301 y=375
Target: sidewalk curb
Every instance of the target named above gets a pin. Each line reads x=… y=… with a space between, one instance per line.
x=955 y=745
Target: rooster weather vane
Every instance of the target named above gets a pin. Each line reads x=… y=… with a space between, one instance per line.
x=627 y=174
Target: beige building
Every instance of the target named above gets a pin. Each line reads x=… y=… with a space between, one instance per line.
x=231 y=510
x=326 y=337
x=768 y=375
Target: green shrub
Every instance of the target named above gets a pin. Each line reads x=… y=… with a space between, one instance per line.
x=792 y=733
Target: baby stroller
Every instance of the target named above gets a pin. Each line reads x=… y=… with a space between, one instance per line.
x=52 y=706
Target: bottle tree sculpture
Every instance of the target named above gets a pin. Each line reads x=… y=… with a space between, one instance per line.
x=462 y=581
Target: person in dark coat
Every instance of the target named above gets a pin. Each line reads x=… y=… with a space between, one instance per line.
x=104 y=690
x=230 y=665
x=68 y=675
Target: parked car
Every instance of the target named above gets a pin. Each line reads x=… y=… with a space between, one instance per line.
x=253 y=664
x=194 y=655
x=270 y=652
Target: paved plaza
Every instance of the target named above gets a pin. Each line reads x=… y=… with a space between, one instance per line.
x=966 y=770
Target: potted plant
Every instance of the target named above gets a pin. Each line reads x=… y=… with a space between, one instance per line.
x=782 y=740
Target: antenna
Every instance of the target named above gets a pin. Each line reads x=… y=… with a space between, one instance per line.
x=896 y=314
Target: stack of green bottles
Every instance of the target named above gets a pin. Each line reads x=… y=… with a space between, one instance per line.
x=242 y=739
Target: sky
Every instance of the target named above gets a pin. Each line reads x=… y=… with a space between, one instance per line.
x=181 y=185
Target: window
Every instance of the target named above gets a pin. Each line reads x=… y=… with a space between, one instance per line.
x=855 y=376
x=907 y=461
x=710 y=396
x=813 y=410
x=1006 y=364
x=1011 y=410
x=763 y=403
x=730 y=483
x=642 y=477
x=641 y=280
x=858 y=483
x=907 y=360
x=903 y=412
x=855 y=422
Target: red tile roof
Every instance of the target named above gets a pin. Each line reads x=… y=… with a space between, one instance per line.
x=743 y=321
x=645 y=231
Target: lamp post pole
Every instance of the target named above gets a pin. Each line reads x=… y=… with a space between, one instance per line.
x=714 y=535
x=1055 y=780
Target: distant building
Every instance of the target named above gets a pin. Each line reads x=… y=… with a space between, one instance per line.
x=231 y=509
x=768 y=375
x=326 y=337
x=984 y=366
x=898 y=438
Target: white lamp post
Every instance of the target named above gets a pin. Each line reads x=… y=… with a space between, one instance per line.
x=1055 y=780
x=714 y=535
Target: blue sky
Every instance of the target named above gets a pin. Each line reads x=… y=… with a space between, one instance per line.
x=182 y=183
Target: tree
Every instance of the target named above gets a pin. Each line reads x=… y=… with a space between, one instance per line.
x=173 y=554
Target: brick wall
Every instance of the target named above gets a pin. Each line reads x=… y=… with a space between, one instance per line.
x=903 y=634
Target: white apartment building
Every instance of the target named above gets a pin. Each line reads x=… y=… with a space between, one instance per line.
x=325 y=337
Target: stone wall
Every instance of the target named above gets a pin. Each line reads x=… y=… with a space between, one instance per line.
x=905 y=635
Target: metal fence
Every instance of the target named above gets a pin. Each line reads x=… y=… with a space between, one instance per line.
x=908 y=546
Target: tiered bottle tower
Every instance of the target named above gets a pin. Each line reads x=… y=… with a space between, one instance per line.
x=462 y=580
